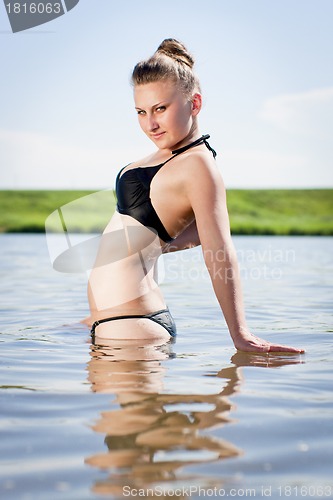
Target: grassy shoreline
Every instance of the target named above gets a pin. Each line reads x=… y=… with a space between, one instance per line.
x=252 y=211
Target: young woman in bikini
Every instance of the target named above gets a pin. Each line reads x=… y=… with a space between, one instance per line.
x=171 y=200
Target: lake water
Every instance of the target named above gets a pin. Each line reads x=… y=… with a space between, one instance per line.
x=191 y=419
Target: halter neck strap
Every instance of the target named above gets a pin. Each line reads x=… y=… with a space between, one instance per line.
x=201 y=140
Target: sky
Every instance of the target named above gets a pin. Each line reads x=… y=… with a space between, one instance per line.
x=67 y=118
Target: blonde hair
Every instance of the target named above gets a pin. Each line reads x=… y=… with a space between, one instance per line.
x=170 y=61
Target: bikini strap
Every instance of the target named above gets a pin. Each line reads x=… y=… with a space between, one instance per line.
x=201 y=140
x=120 y=172
x=125 y=316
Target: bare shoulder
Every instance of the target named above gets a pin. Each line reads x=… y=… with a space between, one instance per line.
x=200 y=172
x=206 y=195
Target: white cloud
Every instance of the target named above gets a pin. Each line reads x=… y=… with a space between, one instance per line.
x=256 y=168
x=32 y=160
x=305 y=113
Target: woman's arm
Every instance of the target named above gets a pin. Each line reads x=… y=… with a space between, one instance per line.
x=189 y=238
x=206 y=194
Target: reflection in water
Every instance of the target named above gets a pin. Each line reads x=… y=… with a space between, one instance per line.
x=152 y=434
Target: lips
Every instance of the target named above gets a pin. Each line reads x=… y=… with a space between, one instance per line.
x=157 y=136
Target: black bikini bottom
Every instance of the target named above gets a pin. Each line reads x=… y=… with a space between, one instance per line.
x=162 y=317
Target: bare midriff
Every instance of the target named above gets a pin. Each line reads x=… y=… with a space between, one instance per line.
x=124 y=278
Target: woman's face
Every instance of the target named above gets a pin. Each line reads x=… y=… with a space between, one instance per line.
x=166 y=116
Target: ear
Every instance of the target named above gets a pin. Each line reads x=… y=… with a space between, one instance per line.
x=196 y=103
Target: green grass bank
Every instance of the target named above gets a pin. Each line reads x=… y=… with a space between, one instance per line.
x=262 y=211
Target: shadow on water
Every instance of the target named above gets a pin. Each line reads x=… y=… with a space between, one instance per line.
x=152 y=435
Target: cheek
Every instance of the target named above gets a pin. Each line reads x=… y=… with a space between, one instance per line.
x=141 y=123
x=185 y=112
x=183 y=118
x=179 y=117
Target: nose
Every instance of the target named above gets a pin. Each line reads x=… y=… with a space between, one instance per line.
x=152 y=123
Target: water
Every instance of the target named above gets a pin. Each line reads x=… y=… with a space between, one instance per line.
x=188 y=419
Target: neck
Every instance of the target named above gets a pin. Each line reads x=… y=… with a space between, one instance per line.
x=192 y=136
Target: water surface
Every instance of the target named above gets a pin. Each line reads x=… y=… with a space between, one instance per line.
x=184 y=419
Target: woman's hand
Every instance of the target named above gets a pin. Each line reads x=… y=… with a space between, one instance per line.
x=246 y=341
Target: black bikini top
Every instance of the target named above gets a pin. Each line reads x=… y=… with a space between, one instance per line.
x=133 y=191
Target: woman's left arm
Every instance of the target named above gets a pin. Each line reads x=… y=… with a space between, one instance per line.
x=188 y=238
x=207 y=197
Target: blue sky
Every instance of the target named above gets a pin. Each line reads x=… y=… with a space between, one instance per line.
x=67 y=117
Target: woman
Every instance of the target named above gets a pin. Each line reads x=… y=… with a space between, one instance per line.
x=171 y=200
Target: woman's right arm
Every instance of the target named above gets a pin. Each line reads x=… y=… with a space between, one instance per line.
x=206 y=194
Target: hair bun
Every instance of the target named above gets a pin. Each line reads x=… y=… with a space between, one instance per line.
x=170 y=61
x=176 y=50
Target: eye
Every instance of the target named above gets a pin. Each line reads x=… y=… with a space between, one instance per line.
x=141 y=112
x=160 y=109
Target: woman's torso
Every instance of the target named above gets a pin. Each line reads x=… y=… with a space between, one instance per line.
x=151 y=211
